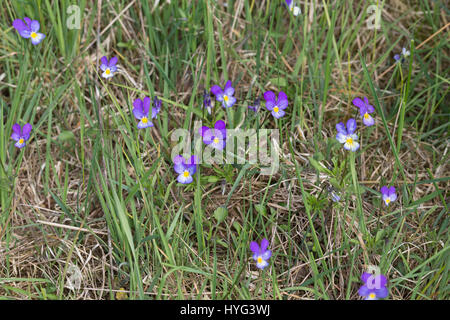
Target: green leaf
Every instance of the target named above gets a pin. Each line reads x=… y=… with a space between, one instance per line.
x=280 y=82
x=220 y=214
x=319 y=166
x=66 y=136
x=261 y=209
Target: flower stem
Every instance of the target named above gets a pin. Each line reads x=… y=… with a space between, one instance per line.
x=358 y=193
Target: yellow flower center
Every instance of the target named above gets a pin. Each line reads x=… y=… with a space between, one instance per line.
x=144 y=120
x=259 y=260
x=225 y=98
x=21 y=141
x=276 y=109
x=186 y=174
x=388 y=200
x=349 y=141
x=216 y=140
x=366 y=116
x=108 y=71
x=372 y=296
x=33 y=35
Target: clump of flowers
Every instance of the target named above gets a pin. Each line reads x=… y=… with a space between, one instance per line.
x=141 y=111
x=388 y=194
x=374 y=287
x=185 y=168
x=365 y=108
x=108 y=67
x=402 y=56
x=226 y=95
x=28 y=29
x=215 y=137
x=255 y=105
x=347 y=136
x=293 y=8
x=21 y=135
x=275 y=105
x=260 y=253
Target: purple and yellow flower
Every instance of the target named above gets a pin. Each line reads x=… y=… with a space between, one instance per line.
x=108 y=67
x=21 y=135
x=347 y=136
x=275 y=105
x=215 y=137
x=374 y=287
x=364 y=109
x=141 y=111
x=185 y=169
x=226 y=95
x=260 y=253
x=402 y=56
x=255 y=105
x=28 y=29
x=293 y=8
x=388 y=194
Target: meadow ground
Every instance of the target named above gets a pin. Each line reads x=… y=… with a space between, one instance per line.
x=91 y=207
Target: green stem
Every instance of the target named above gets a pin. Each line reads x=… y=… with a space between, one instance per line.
x=358 y=194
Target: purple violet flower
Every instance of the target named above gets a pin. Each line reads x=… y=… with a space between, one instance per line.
x=28 y=29
x=388 y=194
x=402 y=56
x=185 y=169
x=156 y=105
x=141 y=112
x=364 y=109
x=293 y=8
x=108 y=67
x=374 y=287
x=226 y=95
x=347 y=136
x=207 y=101
x=261 y=254
x=215 y=137
x=275 y=105
x=255 y=105
x=21 y=135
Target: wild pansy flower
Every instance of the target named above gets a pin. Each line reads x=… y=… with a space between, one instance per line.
x=207 y=101
x=334 y=195
x=402 y=56
x=185 y=169
x=21 y=135
x=364 y=109
x=226 y=95
x=28 y=29
x=261 y=254
x=347 y=136
x=374 y=287
x=108 y=67
x=293 y=8
x=156 y=105
x=141 y=112
x=275 y=105
x=388 y=194
x=215 y=137
x=255 y=105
